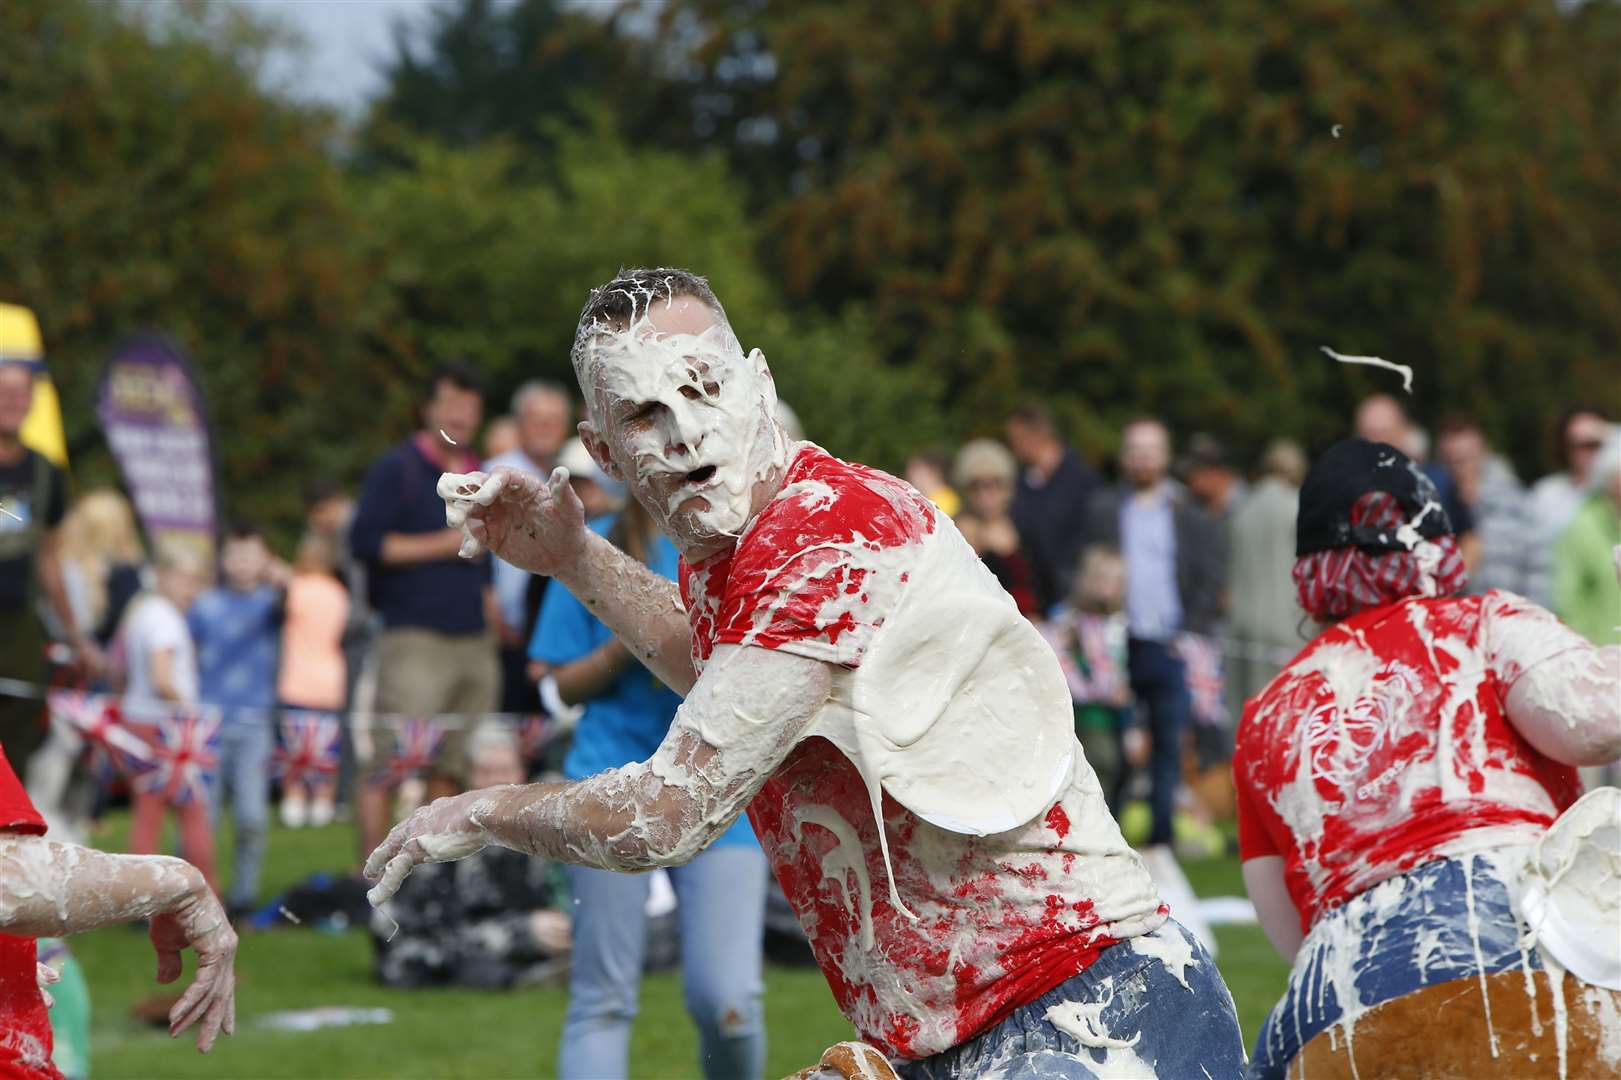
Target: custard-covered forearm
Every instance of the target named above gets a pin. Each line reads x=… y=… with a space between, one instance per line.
x=49 y=889
x=735 y=728
x=643 y=609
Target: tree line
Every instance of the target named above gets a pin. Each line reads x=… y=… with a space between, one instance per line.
x=924 y=214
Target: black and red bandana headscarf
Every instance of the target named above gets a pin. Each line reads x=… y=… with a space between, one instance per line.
x=1371 y=531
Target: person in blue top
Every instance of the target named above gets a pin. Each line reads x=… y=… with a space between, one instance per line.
x=237 y=630
x=720 y=894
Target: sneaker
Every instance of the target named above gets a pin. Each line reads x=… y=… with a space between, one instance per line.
x=321 y=812
x=294 y=811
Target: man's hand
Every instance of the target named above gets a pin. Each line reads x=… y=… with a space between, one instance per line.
x=442 y=831
x=1136 y=746
x=198 y=922
x=536 y=525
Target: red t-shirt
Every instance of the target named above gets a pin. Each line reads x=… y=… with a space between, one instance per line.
x=1001 y=919
x=1384 y=746
x=25 y=1027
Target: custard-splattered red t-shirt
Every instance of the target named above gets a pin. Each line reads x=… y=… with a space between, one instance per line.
x=1000 y=919
x=1384 y=746
x=25 y=1027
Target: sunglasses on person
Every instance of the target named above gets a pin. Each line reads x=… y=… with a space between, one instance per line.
x=1591 y=446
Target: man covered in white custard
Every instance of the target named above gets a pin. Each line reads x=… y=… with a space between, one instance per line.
x=856 y=680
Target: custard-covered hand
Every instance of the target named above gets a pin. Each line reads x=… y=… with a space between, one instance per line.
x=535 y=524
x=443 y=831
x=197 y=922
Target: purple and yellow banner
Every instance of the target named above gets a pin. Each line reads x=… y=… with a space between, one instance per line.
x=152 y=415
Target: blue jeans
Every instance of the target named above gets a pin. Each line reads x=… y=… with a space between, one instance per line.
x=245 y=744
x=1129 y=1014
x=1403 y=934
x=1159 y=680
x=721 y=913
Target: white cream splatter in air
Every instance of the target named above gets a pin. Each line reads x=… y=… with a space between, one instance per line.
x=1403 y=370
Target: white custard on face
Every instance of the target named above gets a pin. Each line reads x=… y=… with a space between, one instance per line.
x=688 y=419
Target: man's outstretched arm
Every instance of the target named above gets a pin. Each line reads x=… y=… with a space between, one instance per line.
x=740 y=721
x=52 y=889
x=539 y=525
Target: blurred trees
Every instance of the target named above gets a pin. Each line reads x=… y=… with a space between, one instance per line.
x=148 y=183
x=922 y=213
x=1152 y=206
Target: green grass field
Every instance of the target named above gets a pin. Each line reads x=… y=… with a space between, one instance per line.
x=459 y=1033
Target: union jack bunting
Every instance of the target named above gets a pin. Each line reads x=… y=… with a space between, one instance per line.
x=184 y=748
x=534 y=735
x=414 y=751
x=1206 y=686
x=98 y=721
x=309 y=747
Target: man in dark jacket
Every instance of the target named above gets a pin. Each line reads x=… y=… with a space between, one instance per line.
x=1050 y=503
x=1176 y=566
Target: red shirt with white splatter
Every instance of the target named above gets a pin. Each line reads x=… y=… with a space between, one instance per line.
x=25 y=1027
x=1001 y=919
x=1384 y=745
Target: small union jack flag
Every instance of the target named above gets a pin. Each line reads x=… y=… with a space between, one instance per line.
x=99 y=722
x=534 y=735
x=309 y=747
x=415 y=749
x=1207 y=688
x=184 y=748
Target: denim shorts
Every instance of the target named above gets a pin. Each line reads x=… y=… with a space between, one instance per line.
x=1403 y=934
x=1138 y=1011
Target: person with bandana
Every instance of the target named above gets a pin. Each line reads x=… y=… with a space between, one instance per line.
x=1401 y=786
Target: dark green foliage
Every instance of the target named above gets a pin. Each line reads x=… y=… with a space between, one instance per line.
x=1128 y=207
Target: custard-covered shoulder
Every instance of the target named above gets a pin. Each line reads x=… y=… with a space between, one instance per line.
x=823 y=564
x=1517 y=634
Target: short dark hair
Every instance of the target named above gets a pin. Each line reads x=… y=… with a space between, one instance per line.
x=1036 y=415
x=458 y=373
x=621 y=301
x=1454 y=424
x=243 y=529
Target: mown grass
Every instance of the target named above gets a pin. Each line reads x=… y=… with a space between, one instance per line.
x=463 y=1033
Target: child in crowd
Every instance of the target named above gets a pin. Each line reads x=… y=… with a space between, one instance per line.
x=1088 y=632
x=236 y=627
x=160 y=664
x=314 y=676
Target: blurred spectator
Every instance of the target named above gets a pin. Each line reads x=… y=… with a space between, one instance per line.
x=1263 y=613
x=160 y=665
x=599 y=493
x=721 y=893
x=1381 y=418
x=1495 y=500
x=1050 y=503
x=488 y=921
x=500 y=437
x=926 y=470
x=544 y=415
x=1088 y=632
x=1176 y=566
x=437 y=653
x=102 y=562
x=236 y=628
x=1207 y=472
x=33 y=496
x=985 y=473
x=1586 y=592
x=1556 y=497
x=313 y=676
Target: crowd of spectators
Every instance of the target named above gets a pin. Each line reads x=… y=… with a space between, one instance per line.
x=1161 y=578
